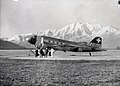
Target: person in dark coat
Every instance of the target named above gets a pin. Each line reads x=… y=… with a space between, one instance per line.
x=36 y=53
x=42 y=52
x=46 y=52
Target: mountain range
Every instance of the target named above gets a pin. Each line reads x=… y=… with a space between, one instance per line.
x=76 y=32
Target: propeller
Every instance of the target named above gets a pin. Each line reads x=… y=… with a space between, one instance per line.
x=32 y=41
x=42 y=41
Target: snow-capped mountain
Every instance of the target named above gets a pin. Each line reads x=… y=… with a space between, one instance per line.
x=24 y=37
x=49 y=32
x=86 y=32
x=79 y=32
x=20 y=38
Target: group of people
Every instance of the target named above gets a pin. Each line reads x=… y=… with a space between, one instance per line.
x=44 y=52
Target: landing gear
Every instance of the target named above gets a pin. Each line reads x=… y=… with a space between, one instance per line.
x=90 y=53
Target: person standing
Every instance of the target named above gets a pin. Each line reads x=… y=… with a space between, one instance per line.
x=36 y=53
x=49 y=52
x=46 y=52
x=41 y=53
x=52 y=52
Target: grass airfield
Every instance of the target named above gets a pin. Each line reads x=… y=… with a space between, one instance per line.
x=71 y=69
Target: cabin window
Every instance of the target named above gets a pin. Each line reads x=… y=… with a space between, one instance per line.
x=56 y=42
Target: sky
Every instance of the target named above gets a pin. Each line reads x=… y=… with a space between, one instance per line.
x=32 y=16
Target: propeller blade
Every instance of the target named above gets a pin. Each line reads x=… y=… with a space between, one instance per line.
x=42 y=41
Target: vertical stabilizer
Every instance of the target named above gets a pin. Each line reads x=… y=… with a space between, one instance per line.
x=96 y=42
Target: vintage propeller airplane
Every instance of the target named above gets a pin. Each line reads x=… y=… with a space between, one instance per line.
x=42 y=42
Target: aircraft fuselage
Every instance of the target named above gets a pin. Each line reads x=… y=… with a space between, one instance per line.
x=64 y=45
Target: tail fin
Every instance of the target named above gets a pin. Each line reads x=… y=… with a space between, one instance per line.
x=96 y=42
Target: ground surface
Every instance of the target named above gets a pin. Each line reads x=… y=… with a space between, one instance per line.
x=42 y=72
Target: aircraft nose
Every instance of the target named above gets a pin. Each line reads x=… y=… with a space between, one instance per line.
x=31 y=40
x=28 y=40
